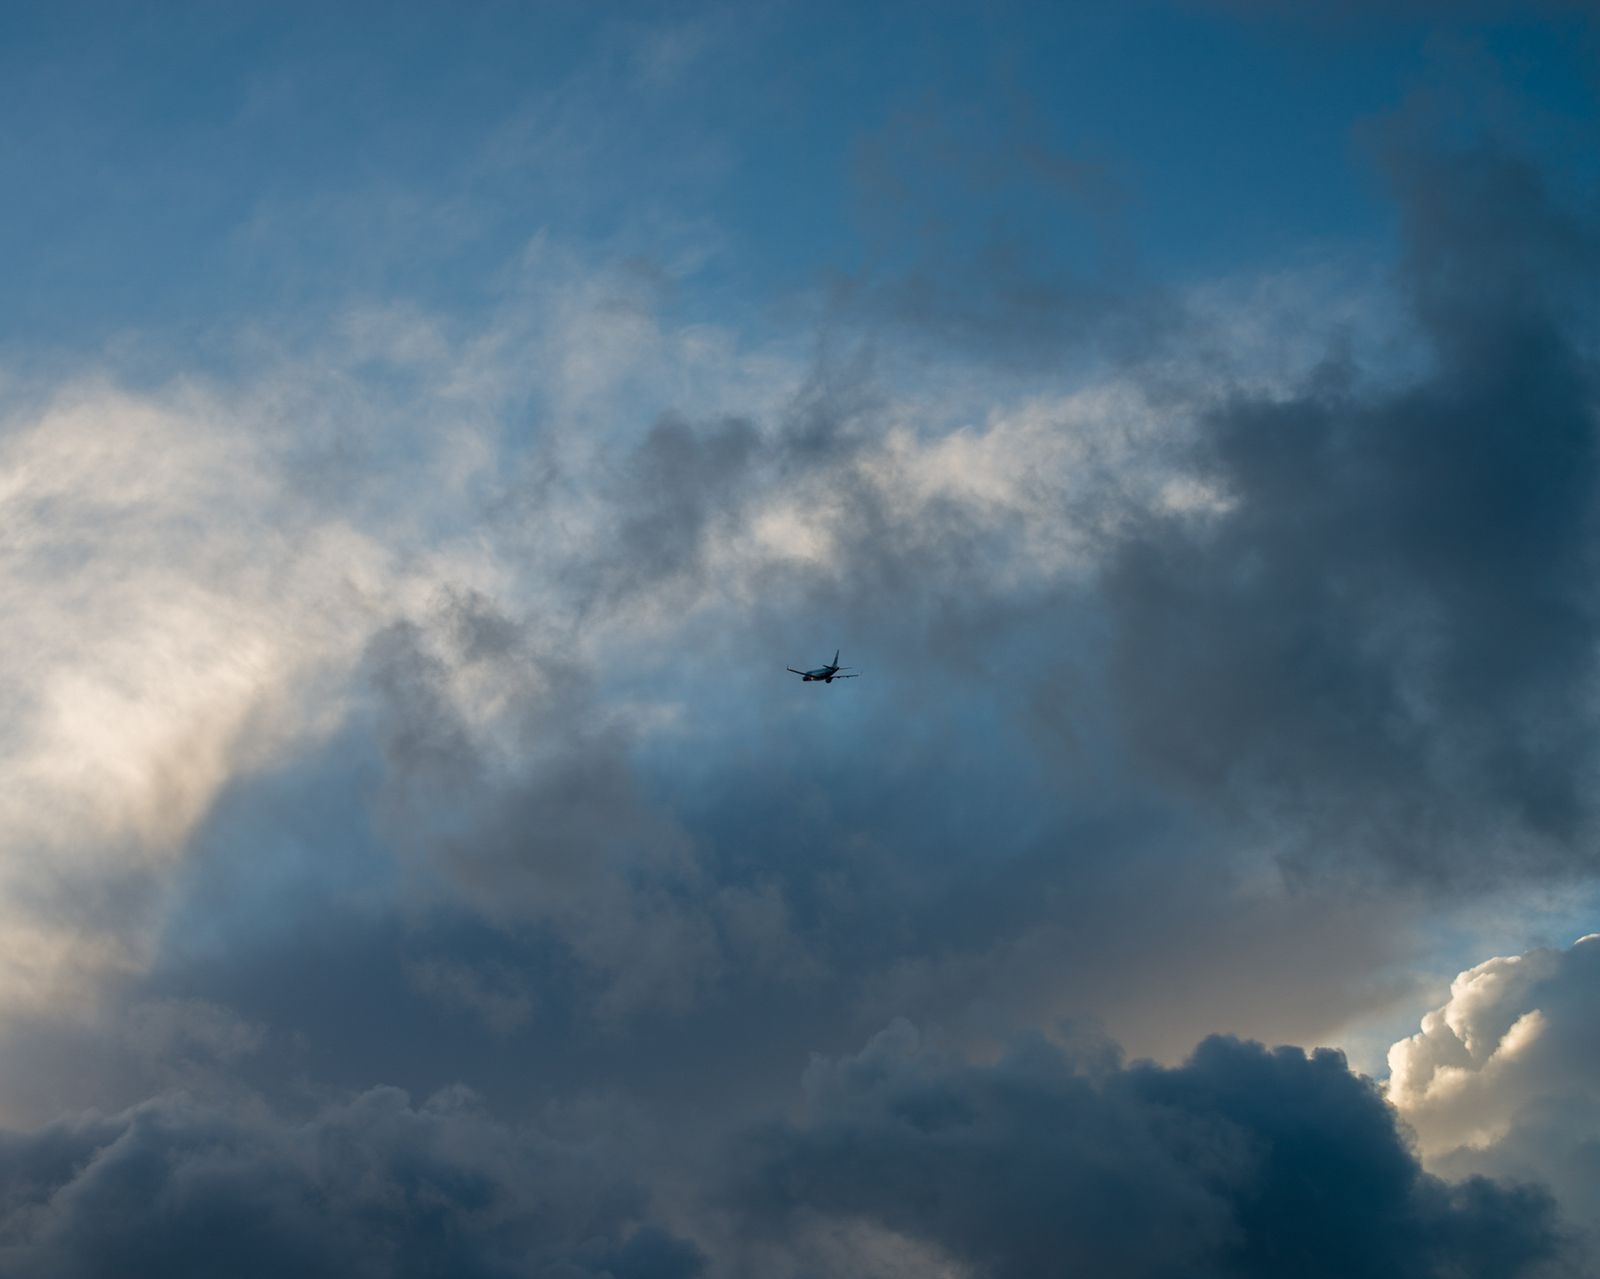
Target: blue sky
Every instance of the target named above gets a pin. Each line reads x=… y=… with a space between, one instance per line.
x=232 y=163
x=425 y=439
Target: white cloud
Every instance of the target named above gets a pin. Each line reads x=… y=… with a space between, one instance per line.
x=161 y=594
x=1501 y=1079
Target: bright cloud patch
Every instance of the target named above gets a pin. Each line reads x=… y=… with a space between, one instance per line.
x=169 y=609
x=1502 y=1080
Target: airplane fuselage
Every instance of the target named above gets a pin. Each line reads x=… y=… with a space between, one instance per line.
x=823 y=674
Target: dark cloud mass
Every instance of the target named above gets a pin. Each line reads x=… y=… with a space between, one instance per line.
x=375 y=1186
x=1389 y=641
x=1241 y=1162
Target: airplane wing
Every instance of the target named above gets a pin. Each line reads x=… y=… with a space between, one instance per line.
x=857 y=675
x=790 y=668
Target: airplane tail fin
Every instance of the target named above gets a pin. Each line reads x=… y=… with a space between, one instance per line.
x=835 y=657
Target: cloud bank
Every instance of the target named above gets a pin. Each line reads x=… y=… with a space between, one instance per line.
x=1500 y=1079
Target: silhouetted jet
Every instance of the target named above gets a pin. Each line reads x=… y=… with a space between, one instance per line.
x=827 y=674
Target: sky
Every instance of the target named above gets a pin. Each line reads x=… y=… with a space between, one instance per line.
x=427 y=435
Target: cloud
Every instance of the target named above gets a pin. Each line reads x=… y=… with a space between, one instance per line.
x=987 y=232
x=496 y=994
x=525 y=808
x=907 y=1158
x=495 y=623
x=507 y=741
x=1500 y=1079
x=506 y=600
x=197 y=574
x=1240 y=1162
x=1382 y=642
x=375 y=1185
x=150 y=548
x=212 y=579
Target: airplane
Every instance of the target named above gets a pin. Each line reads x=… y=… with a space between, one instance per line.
x=827 y=674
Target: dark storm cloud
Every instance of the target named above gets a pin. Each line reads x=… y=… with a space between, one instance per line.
x=373 y=1186
x=1241 y=1163
x=1389 y=641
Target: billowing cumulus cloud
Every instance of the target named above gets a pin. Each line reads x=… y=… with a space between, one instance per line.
x=1501 y=1079
x=1240 y=1162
